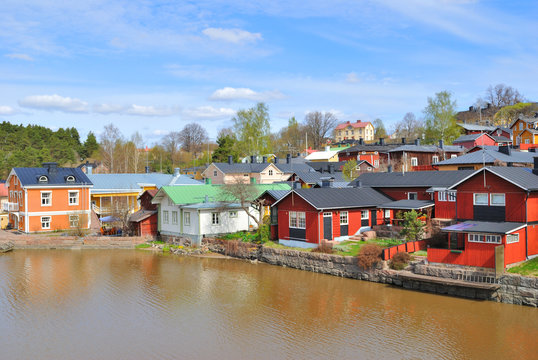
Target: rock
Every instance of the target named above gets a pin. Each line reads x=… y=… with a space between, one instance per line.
x=7 y=246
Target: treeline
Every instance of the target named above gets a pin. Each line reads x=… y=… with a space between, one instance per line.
x=31 y=145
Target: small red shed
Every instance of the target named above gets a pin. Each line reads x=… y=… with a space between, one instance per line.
x=472 y=140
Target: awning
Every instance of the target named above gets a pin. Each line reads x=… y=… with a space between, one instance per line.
x=407 y=205
x=109 y=219
x=484 y=227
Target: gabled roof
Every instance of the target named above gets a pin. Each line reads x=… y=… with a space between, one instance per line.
x=428 y=148
x=356 y=124
x=524 y=118
x=471 y=137
x=520 y=177
x=292 y=167
x=474 y=127
x=340 y=198
x=239 y=168
x=508 y=130
x=484 y=227
x=30 y=176
x=440 y=179
x=109 y=183
x=532 y=131
x=321 y=155
x=370 y=148
x=275 y=194
x=324 y=165
x=141 y=215
x=3 y=190
x=501 y=139
x=489 y=156
x=407 y=204
x=314 y=177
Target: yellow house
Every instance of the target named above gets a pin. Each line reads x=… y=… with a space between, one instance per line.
x=521 y=124
x=528 y=136
x=327 y=155
x=354 y=131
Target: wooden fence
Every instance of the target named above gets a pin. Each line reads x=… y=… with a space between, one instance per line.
x=410 y=246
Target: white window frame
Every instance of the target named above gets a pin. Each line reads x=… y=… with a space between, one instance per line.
x=166 y=217
x=491 y=199
x=527 y=141
x=441 y=196
x=451 y=195
x=293 y=219
x=480 y=194
x=43 y=179
x=73 y=221
x=170 y=202
x=485 y=238
x=70 y=178
x=297 y=219
x=232 y=214
x=376 y=163
x=174 y=217
x=453 y=156
x=69 y=192
x=46 y=222
x=387 y=213
x=50 y=198
x=215 y=218
x=520 y=126
x=409 y=195
x=215 y=173
x=435 y=159
x=512 y=238
x=344 y=218
x=365 y=214
x=414 y=161
x=270 y=172
x=187 y=218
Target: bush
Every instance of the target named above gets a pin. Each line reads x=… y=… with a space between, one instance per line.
x=369 y=255
x=263 y=234
x=325 y=247
x=231 y=247
x=400 y=260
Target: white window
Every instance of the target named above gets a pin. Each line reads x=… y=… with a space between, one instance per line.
x=343 y=217
x=73 y=220
x=527 y=141
x=293 y=219
x=376 y=163
x=414 y=161
x=453 y=156
x=441 y=196
x=174 y=217
x=512 y=238
x=497 y=199
x=43 y=179
x=170 y=202
x=365 y=214
x=214 y=172
x=298 y=219
x=14 y=181
x=451 y=195
x=45 y=222
x=387 y=213
x=165 y=217
x=215 y=219
x=46 y=198
x=485 y=238
x=187 y=218
x=233 y=214
x=70 y=178
x=412 y=196
x=520 y=126
x=73 y=197
x=480 y=199
x=435 y=159
x=270 y=172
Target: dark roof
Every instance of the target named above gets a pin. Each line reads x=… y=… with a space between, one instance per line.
x=484 y=227
x=489 y=155
x=338 y=198
x=370 y=147
x=474 y=127
x=412 y=179
x=501 y=139
x=470 y=137
x=324 y=165
x=275 y=194
x=30 y=176
x=518 y=176
x=235 y=168
x=141 y=215
x=313 y=177
x=293 y=167
x=428 y=148
x=508 y=130
x=407 y=204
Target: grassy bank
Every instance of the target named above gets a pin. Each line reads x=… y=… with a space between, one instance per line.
x=528 y=268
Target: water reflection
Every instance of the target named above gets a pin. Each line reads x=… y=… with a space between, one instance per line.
x=137 y=305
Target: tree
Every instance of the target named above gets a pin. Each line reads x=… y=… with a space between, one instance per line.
x=246 y=195
x=440 y=118
x=319 y=125
x=290 y=139
x=380 y=131
x=413 y=227
x=111 y=139
x=349 y=171
x=89 y=147
x=409 y=127
x=508 y=114
x=252 y=130
x=172 y=143
x=192 y=138
x=502 y=95
x=226 y=147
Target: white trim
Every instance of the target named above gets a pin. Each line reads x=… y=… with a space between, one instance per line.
x=512 y=241
x=50 y=221
x=46 y=213
x=491 y=199
x=485 y=235
x=484 y=169
x=347 y=217
x=69 y=197
x=367 y=215
x=50 y=198
x=412 y=192
x=77 y=220
x=487 y=199
x=52 y=186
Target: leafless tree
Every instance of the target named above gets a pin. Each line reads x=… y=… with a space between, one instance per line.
x=172 y=143
x=137 y=144
x=502 y=95
x=319 y=125
x=110 y=139
x=192 y=137
x=246 y=195
x=409 y=127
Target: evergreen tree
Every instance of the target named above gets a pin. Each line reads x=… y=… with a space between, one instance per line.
x=227 y=146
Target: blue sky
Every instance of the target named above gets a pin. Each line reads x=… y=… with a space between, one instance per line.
x=154 y=66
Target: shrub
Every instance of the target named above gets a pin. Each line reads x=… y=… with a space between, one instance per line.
x=400 y=260
x=369 y=255
x=325 y=247
x=231 y=247
x=413 y=227
x=263 y=234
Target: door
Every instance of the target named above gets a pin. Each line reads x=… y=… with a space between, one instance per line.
x=373 y=215
x=328 y=225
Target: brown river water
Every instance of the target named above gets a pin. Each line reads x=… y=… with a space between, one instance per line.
x=132 y=304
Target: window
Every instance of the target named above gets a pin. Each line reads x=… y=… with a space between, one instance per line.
x=365 y=215
x=214 y=172
x=170 y=203
x=298 y=219
x=343 y=217
x=187 y=218
x=527 y=141
x=352 y=132
x=43 y=179
x=441 y=196
x=270 y=172
x=73 y=197
x=73 y=220
x=45 y=222
x=46 y=198
x=497 y=199
x=412 y=196
x=165 y=217
x=520 y=126
x=15 y=181
x=70 y=178
x=387 y=214
x=451 y=195
x=453 y=156
x=376 y=163
x=414 y=161
x=512 y=238
x=435 y=159
x=232 y=214
x=347 y=132
x=480 y=199
x=485 y=238
x=174 y=217
x=215 y=220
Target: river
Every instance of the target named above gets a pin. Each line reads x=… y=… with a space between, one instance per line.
x=132 y=304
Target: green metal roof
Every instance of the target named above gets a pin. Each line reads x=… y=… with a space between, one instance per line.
x=193 y=194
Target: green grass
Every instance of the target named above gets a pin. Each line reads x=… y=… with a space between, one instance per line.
x=143 y=246
x=420 y=253
x=528 y=268
x=276 y=245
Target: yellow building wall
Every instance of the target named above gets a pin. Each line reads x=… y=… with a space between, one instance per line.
x=455 y=167
x=528 y=136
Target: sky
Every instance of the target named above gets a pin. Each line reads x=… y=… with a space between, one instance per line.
x=155 y=66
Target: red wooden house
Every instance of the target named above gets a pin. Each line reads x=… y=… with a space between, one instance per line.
x=472 y=140
x=307 y=216
x=495 y=206
x=144 y=222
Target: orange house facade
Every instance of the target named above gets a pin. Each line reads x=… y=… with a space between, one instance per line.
x=48 y=199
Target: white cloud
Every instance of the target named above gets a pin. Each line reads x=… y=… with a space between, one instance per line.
x=208 y=112
x=108 y=108
x=229 y=93
x=7 y=110
x=141 y=110
x=352 y=78
x=54 y=103
x=159 y=132
x=25 y=57
x=235 y=36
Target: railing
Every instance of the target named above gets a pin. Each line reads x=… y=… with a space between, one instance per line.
x=10 y=206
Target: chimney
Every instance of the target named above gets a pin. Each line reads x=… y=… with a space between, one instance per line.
x=89 y=168
x=357 y=184
x=389 y=168
x=252 y=159
x=264 y=159
x=275 y=160
x=298 y=154
x=382 y=141
x=230 y=159
x=441 y=143
x=176 y=171
x=535 y=169
x=358 y=121
x=52 y=167
x=288 y=158
x=146 y=169
x=327 y=148
x=361 y=141
x=403 y=141
x=331 y=168
x=417 y=142
x=327 y=182
x=505 y=149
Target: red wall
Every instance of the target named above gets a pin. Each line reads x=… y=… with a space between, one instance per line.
x=296 y=203
x=482 y=140
x=444 y=209
x=515 y=252
x=400 y=193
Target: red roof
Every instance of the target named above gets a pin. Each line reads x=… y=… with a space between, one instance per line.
x=357 y=124
x=3 y=190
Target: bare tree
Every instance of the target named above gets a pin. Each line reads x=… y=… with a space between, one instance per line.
x=244 y=194
x=171 y=143
x=192 y=137
x=319 y=125
x=136 y=154
x=409 y=127
x=502 y=95
x=110 y=139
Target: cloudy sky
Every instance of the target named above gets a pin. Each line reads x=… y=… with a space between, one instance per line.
x=154 y=66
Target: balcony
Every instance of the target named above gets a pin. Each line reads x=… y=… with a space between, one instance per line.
x=10 y=206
